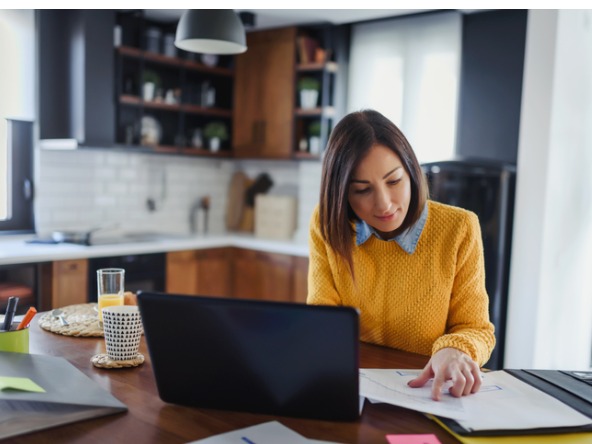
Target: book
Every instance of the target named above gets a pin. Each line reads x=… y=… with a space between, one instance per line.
x=307 y=47
x=563 y=438
x=41 y=391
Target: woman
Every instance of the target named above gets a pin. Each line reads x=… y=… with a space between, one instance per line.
x=414 y=268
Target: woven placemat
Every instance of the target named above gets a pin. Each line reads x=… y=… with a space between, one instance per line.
x=82 y=321
x=102 y=360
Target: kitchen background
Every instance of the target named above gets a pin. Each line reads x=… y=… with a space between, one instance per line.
x=543 y=125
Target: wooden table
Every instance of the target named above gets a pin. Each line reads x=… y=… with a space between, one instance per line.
x=151 y=420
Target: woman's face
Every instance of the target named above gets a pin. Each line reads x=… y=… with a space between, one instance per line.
x=380 y=190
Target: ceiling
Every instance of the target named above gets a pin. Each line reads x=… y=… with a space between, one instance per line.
x=272 y=18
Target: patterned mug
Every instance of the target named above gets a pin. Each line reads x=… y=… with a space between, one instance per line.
x=122 y=326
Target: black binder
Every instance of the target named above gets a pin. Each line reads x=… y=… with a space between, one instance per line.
x=573 y=388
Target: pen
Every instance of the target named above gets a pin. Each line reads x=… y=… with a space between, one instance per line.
x=10 y=311
x=27 y=319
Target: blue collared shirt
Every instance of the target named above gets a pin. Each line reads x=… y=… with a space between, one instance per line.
x=407 y=240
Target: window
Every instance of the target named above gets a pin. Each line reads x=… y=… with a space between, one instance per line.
x=17 y=87
x=409 y=70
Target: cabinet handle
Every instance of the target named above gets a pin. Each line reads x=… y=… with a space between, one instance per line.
x=262 y=132
x=28 y=189
x=259 y=132
x=255 y=132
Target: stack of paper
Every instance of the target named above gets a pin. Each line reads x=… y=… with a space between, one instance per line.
x=503 y=403
x=271 y=432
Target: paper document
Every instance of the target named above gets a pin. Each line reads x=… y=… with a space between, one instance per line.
x=23 y=384
x=503 y=403
x=271 y=432
x=390 y=386
x=45 y=391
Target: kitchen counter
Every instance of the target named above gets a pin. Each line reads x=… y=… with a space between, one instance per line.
x=15 y=250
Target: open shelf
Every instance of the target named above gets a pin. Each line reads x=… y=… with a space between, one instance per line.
x=186 y=96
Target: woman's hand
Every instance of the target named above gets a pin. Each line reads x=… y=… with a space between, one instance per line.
x=454 y=365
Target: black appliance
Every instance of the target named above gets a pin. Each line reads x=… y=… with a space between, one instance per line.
x=146 y=272
x=487 y=188
x=20 y=280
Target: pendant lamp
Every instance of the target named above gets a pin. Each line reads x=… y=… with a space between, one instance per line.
x=211 y=31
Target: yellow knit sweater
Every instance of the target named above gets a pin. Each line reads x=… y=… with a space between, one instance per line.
x=420 y=302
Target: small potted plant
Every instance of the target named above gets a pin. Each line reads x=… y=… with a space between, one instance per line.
x=314 y=137
x=309 y=91
x=215 y=132
x=150 y=82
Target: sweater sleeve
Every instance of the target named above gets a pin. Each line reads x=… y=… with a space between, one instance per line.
x=321 y=285
x=468 y=326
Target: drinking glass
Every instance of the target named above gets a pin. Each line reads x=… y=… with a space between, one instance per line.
x=110 y=285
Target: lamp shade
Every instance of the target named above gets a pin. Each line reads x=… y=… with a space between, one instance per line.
x=211 y=31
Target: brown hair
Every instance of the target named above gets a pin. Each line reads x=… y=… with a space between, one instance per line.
x=351 y=139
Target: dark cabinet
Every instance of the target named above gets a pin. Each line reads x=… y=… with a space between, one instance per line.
x=492 y=67
x=169 y=100
x=487 y=188
x=75 y=80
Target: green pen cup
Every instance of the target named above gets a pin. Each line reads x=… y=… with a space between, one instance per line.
x=16 y=341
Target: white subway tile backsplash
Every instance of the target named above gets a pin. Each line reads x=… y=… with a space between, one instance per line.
x=86 y=188
x=105 y=200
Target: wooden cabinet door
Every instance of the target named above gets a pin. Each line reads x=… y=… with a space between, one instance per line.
x=181 y=276
x=69 y=282
x=300 y=279
x=276 y=271
x=237 y=272
x=199 y=272
x=247 y=112
x=262 y=275
x=213 y=272
x=247 y=275
x=264 y=95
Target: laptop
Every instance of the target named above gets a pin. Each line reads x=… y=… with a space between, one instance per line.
x=276 y=358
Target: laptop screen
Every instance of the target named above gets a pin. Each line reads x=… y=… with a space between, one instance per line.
x=266 y=357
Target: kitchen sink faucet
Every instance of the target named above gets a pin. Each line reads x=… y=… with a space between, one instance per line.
x=200 y=204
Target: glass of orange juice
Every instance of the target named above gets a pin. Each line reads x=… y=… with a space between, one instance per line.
x=110 y=285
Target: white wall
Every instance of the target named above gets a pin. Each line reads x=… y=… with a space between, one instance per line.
x=81 y=189
x=550 y=297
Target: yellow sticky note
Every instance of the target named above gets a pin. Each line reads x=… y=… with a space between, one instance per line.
x=23 y=384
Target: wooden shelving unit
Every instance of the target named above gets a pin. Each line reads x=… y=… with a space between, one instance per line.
x=196 y=95
x=312 y=126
